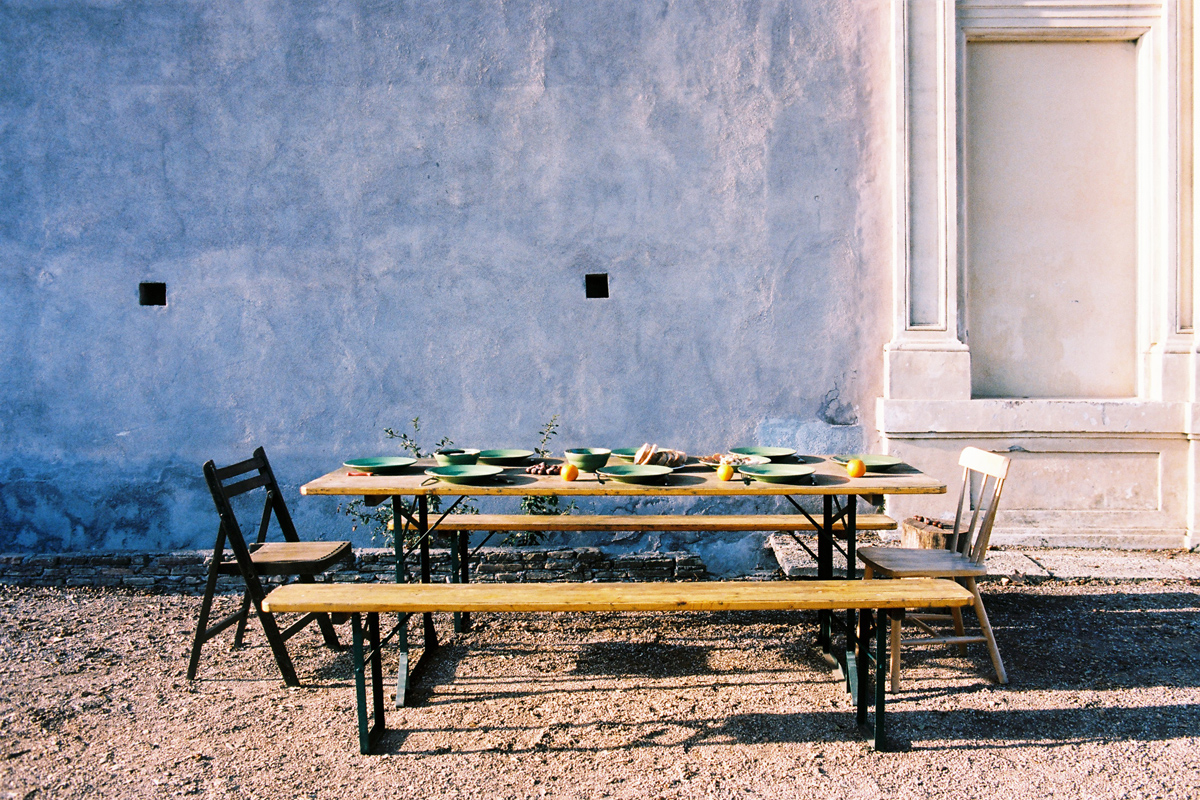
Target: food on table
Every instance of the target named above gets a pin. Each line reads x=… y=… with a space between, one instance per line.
x=663 y=457
x=856 y=468
x=570 y=472
x=542 y=468
x=732 y=459
x=725 y=472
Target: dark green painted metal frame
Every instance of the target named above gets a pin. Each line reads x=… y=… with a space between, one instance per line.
x=367 y=649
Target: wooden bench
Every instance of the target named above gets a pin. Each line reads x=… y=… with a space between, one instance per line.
x=871 y=599
x=460 y=526
x=708 y=522
x=650 y=522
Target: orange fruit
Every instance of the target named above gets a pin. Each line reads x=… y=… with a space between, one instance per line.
x=570 y=472
x=855 y=468
x=725 y=472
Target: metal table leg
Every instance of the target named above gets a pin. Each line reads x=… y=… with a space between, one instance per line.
x=849 y=523
x=825 y=572
x=431 y=641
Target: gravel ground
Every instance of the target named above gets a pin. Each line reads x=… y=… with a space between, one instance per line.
x=1104 y=702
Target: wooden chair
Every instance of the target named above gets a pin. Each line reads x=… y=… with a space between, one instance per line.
x=962 y=559
x=262 y=558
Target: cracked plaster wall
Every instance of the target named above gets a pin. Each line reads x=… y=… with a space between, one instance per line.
x=367 y=212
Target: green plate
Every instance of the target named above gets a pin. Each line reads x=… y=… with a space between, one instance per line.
x=779 y=473
x=635 y=473
x=464 y=473
x=383 y=465
x=874 y=463
x=625 y=453
x=505 y=458
x=773 y=453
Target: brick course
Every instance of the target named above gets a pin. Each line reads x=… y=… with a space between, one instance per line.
x=186 y=571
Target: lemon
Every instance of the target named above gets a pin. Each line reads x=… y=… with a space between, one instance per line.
x=725 y=472
x=570 y=472
x=855 y=468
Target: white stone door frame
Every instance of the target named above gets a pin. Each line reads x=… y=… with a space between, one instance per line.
x=927 y=414
x=928 y=355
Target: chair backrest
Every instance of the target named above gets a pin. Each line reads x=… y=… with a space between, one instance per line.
x=226 y=483
x=989 y=471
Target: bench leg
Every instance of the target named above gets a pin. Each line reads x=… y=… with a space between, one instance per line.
x=881 y=661
x=863 y=665
x=402 y=668
x=368 y=730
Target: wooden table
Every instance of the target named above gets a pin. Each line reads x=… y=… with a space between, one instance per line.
x=838 y=493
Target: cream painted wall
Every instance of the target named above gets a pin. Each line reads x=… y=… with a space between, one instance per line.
x=1051 y=261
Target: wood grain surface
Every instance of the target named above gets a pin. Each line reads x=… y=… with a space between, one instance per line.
x=715 y=596
x=649 y=522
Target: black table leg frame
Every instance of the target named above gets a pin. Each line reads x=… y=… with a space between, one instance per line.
x=369 y=730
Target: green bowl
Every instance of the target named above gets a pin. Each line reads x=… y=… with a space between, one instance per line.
x=588 y=459
x=464 y=473
x=505 y=458
x=773 y=453
x=779 y=473
x=874 y=463
x=625 y=453
x=635 y=473
x=455 y=455
x=383 y=465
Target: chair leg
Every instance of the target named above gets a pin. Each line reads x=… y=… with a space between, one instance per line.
x=981 y=612
x=868 y=572
x=278 y=647
x=959 y=630
x=895 y=645
x=240 y=632
x=210 y=589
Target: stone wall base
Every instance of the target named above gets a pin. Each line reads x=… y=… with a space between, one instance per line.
x=186 y=571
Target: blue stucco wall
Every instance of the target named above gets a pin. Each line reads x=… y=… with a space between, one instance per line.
x=370 y=211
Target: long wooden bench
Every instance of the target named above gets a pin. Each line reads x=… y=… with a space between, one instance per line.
x=871 y=599
x=650 y=522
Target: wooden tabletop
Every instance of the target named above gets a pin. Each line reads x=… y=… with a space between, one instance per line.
x=691 y=480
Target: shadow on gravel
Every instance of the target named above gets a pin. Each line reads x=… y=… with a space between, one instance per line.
x=653 y=659
x=1098 y=641
x=907 y=730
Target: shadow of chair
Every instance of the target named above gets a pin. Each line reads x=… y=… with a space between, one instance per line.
x=260 y=559
x=962 y=560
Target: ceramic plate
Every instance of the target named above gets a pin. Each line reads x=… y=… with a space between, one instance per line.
x=771 y=453
x=455 y=455
x=635 y=473
x=874 y=463
x=625 y=453
x=383 y=465
x=742 y=461
x=588 y=459
x=779 y=473
x=464 y=473
x=505 y=458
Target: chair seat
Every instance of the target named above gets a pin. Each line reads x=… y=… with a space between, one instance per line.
x=292 y=558
x=909 y=562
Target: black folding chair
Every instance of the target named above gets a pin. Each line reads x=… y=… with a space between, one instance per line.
x=262 y=558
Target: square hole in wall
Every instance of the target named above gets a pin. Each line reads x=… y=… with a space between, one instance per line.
x=152 y=294
x=596 y=284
